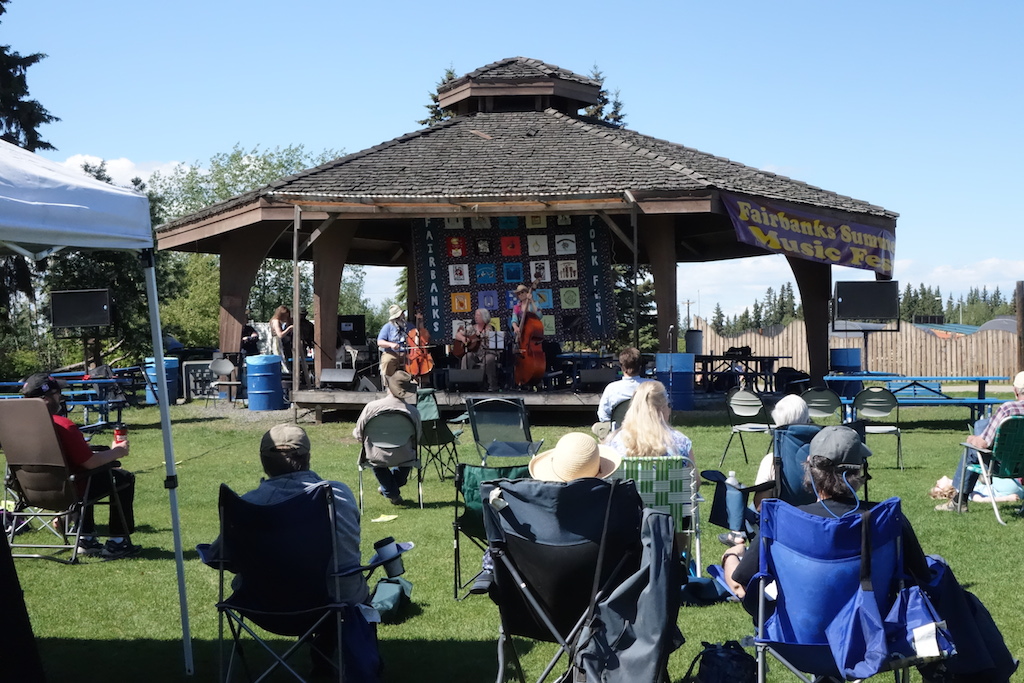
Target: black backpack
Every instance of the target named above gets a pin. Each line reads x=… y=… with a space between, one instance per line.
x=724 y=662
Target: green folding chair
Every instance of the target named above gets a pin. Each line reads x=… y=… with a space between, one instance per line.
x=469 y=514
x=669 y=484
x=1005 y=459
x=438 y=444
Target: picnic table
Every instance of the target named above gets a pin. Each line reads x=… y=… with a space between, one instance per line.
x=927 y=390
x=754 y=372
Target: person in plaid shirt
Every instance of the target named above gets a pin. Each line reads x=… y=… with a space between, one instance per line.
x=984 y=440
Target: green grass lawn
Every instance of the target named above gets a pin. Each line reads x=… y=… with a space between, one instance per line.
x=102 y=621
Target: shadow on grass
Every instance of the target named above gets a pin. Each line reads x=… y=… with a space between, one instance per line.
x=178 y=421
x=162 y=661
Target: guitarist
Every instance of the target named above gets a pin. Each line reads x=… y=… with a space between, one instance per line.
x=479 y=342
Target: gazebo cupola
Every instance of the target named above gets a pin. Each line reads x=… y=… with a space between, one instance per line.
x=519 y=84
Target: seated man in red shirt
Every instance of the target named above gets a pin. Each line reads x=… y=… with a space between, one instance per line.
x=81 y=457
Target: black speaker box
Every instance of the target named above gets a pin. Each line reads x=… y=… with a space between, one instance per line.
x=337 y=377
x=867 y=300
x=80 y=308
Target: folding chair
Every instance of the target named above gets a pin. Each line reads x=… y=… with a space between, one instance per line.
x=619 y=413
x=390 y=430
x=222 y=367
x=822 y=403
x=748 y=415
x=1005 y=459
x=43 y=484
x=469 y=512
x=574 y=563
x=813 y=565
x=438 y=444
x=875 y=403
x=285 y=558
x=501 y=428
x=669 y=484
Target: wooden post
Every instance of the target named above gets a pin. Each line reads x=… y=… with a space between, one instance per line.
x=1020 y=324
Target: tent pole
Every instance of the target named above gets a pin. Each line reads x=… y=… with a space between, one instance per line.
x=171 y=480
x=297 y=361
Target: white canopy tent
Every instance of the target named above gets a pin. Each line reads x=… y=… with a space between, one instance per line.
x=45 y=207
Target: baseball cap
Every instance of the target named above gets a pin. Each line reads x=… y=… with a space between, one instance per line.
x=286 y=436
x=39 y=384
x=841 y=445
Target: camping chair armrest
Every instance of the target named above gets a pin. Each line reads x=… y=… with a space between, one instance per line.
x=461 y=419
x=375 y=562
x=206 y=556
x=105 y=467
x=986 y=451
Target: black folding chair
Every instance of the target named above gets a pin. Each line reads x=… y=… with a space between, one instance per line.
x=288 y=580
x=501 y=428
x=574 y=563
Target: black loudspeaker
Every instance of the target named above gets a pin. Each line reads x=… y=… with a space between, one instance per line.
x=80 y=308
x=472 y=380
x=352 y=328
x=339 y=378
x=867 y=300
x=597 y=379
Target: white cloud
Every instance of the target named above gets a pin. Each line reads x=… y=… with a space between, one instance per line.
x=122 y=170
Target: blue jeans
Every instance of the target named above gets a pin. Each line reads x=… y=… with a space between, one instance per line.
x=392 y=480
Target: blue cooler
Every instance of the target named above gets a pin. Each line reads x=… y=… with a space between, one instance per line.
x=675 y=371
x=171 y=372
x=263 y=383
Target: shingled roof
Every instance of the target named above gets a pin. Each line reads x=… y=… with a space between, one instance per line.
x=548 y=153
x=518 y=69
x=495 y=155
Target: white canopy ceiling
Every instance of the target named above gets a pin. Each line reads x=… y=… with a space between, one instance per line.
x=45 y=205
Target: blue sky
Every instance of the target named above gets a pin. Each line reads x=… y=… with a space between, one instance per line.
x=914 y=106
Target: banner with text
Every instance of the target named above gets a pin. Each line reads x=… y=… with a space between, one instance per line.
x=784 y=229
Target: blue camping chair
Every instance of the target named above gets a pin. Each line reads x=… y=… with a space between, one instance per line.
x=811 y=565
x=574 y=563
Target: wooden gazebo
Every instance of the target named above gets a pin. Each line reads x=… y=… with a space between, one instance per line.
x=517 y=146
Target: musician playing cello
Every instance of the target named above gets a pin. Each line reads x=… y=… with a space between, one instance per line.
x=479 y=341
x=529 y=337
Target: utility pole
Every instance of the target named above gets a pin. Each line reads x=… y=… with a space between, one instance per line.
x=688 y=323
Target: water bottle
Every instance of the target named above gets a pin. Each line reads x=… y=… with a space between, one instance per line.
x=732 y=481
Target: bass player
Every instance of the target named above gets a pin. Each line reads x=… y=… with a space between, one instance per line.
x=480 y=342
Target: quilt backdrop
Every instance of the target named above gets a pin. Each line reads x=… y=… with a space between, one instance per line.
x=463 y=264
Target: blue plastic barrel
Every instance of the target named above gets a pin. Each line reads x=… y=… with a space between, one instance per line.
x=844 y=360
x=171 y=371
x=675 y=371
x=263 y=382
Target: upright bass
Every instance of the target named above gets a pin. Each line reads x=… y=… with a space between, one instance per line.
x=530 y=359
x=419 y=362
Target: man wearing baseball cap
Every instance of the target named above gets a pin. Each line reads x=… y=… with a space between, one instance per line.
x=834 y=471
x=81 y=458
x=285 y=456
x=391 y=466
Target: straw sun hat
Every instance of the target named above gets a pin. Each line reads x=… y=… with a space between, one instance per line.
x=576 y=455
x=394 y=311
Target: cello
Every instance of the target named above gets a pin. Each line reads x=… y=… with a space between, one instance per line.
x=530 y=359
x=419 y=362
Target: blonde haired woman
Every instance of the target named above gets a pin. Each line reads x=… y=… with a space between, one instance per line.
x=645 y=431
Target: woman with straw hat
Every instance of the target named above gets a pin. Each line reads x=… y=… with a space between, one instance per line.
x=575 y=456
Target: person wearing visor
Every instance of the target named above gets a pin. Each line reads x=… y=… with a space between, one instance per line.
x=81 y=457
x=834 y=471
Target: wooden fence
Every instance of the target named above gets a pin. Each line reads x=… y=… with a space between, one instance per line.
x=911 y=351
